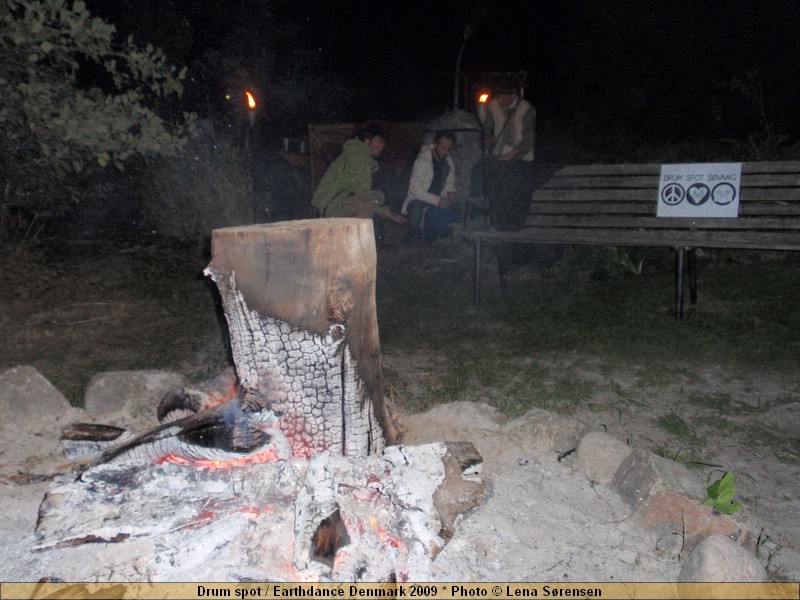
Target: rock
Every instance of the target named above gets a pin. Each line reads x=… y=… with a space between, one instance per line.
x=720 y=559
x=643 y=474
x=129 y=398
x=462 y=489
x=540 y=429
x=666 y=496
x=26 y=395
x=600 y=455
x=453 y=422
x=673 y=513
x=34 y=412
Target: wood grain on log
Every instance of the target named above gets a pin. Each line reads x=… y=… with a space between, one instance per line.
x=299 y=298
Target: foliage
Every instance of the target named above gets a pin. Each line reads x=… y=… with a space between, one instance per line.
x=720 y=495
x=72 y=98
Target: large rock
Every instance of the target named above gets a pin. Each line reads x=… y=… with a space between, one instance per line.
x=666 y=496
x=129 y=398
x=540 y=429
x=600 y=456
x=34 y=412
x=453 y=422
x=643 y=474
x=719 y=559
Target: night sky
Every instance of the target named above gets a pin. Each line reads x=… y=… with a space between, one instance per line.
x=654 y=68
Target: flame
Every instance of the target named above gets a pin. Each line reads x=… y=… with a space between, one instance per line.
x=483 y=97
x=230 y=394
x=251 y=100
x=253 y=459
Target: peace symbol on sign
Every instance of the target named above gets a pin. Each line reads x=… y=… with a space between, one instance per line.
x=672 y=194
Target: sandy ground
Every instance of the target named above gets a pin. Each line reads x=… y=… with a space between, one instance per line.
x=542 y=519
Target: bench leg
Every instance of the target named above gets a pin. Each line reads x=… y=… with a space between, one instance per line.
x=503 y=262
x=679 y=254
x=476 y=272
x=691 y=266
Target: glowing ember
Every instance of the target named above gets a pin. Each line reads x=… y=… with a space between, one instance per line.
x=384 y=535
x=253 y=459
x=221 y=398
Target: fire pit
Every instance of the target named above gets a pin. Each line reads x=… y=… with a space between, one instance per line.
x=289 y=477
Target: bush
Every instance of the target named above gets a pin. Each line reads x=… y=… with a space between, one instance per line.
x=73 y=100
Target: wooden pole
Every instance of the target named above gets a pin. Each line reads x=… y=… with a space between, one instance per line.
x=299 y=298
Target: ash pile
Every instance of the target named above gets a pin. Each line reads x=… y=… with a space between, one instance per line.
x=216 y=493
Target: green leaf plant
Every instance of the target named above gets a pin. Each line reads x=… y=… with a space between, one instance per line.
x=720 y=495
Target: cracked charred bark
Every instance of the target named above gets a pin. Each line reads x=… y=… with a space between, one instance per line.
x=299 y=298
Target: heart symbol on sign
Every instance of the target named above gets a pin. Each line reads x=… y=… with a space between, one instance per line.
x=698 y=193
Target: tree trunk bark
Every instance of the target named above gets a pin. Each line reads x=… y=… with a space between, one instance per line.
x=299 y=298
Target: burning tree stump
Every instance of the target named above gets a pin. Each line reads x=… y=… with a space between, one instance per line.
x=288 y=477
x=299 y=298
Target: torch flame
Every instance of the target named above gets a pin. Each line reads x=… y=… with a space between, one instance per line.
x=251 y=100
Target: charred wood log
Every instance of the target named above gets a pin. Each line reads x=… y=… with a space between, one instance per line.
x=299 y=298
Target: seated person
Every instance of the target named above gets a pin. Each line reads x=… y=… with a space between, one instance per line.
x=345 y=189
x=432 y=191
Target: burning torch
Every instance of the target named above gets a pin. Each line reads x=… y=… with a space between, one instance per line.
x=482 y=102
x=251 y=107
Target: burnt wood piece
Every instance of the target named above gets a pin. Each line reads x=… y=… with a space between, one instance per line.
x=180 y=403
x=299 y=298
x=94 y=432
x=82 y=441
x=329 y=538
x=615 y=205
x=222 y=432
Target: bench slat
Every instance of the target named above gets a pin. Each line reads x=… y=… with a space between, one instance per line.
x=650 y=182
x=788 y=166
x=754 y=240
x=650 y=222
x=749 y=194
x=563 y=207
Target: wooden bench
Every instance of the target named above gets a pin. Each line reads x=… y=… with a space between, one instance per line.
x=615 y=205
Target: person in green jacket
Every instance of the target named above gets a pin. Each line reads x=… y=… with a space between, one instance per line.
x=345 y=189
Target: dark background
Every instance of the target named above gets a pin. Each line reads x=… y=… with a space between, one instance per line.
x=658 y=69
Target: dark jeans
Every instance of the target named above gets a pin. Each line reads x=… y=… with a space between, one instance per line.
x=428 y=222
x=509 y=185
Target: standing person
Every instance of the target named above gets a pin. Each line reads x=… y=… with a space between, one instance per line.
x=432 y=191
x=345 y=189
x=510 y=133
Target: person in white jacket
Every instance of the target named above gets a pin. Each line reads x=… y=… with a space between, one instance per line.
x=432 y=191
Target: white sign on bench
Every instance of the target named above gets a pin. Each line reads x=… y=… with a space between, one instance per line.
x=699 y=190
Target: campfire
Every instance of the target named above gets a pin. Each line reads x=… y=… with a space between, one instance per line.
x=226 y=481
x=289 y=477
